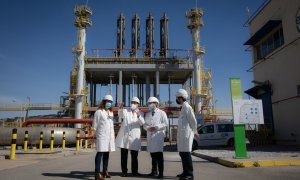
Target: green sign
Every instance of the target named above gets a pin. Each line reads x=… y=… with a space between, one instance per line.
x=239 y=129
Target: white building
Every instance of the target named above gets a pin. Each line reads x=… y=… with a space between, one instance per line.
x=275 y=43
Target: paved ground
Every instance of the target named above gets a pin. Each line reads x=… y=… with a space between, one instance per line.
x=273 y=155
x=69 y=165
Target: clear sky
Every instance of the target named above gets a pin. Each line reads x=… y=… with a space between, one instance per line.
x=36 y=39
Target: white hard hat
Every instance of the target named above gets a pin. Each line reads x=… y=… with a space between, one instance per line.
x=182 y=93
x=108 y=97
x=135 y=99
x=153 y=99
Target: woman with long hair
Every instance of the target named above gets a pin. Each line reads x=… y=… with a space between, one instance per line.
x=105 y=136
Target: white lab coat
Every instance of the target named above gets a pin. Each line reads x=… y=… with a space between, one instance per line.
x=155 y=140
x=129 y=135
x=187 y=125
x=104 y=131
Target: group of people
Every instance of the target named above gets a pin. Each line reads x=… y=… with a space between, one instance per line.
x=155 y=123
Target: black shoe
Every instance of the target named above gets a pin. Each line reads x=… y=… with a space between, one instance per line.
x=181 y=175
x=160 y=176
x=152 y=174
x=136 y=174
x=124 y=175
x=186 y=178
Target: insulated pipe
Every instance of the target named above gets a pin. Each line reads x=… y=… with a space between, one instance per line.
x=36 y=134
x=57 y=121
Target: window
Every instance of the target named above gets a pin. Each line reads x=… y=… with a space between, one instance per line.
x=265 y=47
x=225 y=127
x=207 y=129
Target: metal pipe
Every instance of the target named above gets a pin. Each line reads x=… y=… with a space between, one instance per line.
x=56 y=121
x=34 y=135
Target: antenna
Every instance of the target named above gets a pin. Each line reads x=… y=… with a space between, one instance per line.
x=196 y=3
x=87 y=1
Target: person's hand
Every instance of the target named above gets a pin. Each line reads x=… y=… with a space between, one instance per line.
x=138 y=113
x=121 y=105
x=197 y=134
x=151 y=129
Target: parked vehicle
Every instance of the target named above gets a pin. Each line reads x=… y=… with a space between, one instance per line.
x=215 y=134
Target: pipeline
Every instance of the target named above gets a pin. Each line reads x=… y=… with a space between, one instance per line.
x=57 y=121
x=34 y=136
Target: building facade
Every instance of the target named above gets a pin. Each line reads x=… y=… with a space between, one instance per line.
x=275 y=44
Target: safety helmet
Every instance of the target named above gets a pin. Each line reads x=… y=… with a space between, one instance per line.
x=135 y=99
x=108 y=97
x=153 y=99
x=182 y=93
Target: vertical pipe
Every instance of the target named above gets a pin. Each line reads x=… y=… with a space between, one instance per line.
x=124 y=94
x=86 y=140
x=95 y=94
x=41 y=140
x=13 y=144
x=195 y=22
x=129 y=92
x=120 y=92
x=52 y=140
x=25 y=140
x=147 y=87
x=91 y=93
x=157 y=85
x=64 y=140
x=80 y=75
x=77 y=140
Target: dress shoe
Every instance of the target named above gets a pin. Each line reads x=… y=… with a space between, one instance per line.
x=181 y=175
x=152 y=174
x=98 y=176
x=106 y=174
x=186 y=178
x=160 y=176
x=124 y=175
x=136 y=174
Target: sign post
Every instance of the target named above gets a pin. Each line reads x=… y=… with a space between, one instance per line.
x=239 y=129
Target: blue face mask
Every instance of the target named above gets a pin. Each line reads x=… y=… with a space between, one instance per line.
x=107 y=105
x=150 y=107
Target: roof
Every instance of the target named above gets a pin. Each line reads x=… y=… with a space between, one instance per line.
x=262 y=32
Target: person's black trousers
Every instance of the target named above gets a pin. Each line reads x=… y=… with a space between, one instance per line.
x=157 y=161
x=187 y=163
x=134 y=161
x=98 y=158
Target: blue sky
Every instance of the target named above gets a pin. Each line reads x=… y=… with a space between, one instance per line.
x=37 y=39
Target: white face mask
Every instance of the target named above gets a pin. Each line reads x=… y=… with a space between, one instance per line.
x=134 y=106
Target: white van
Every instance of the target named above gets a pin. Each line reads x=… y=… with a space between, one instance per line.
x=215 y=134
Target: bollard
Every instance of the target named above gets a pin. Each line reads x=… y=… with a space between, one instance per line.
x=41 y=140
x=77 y=140
x=52 y=140
x=64 y=140
x=13 y=144
x=25 y=140
x=86 y=140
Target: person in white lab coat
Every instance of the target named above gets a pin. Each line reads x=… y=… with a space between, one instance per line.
x=129 y=135
x=105 y=136
x=156 y=122
x=187 y=127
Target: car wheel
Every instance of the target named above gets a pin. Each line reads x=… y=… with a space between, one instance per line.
x=195 y=145
x=230 y=143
